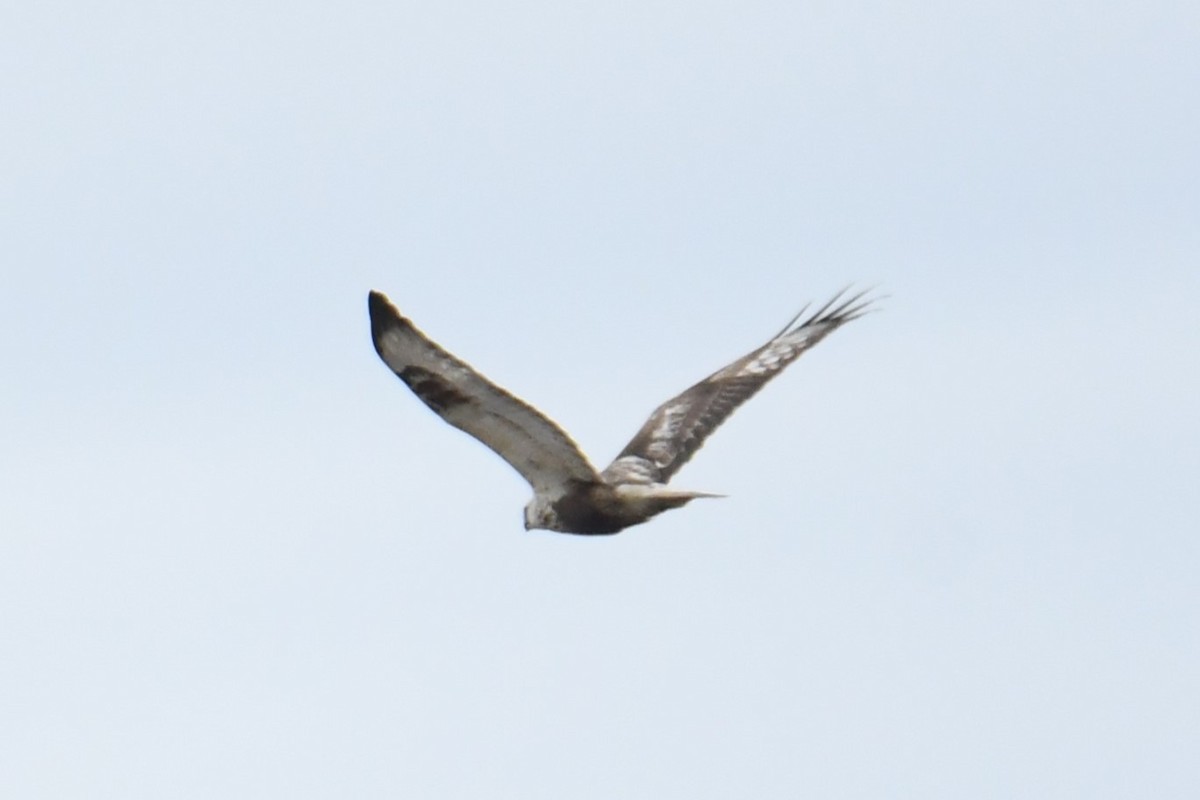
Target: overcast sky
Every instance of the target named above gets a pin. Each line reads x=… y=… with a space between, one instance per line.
x=959 y=557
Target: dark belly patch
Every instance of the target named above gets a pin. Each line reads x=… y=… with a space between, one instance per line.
x=579 y=512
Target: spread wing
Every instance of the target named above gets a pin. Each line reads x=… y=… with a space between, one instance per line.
x=677 y=428
x=520 y=434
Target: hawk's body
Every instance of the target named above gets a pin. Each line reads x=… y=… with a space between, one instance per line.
x=570 y=496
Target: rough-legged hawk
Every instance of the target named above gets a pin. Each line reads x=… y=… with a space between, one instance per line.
x=569 y=495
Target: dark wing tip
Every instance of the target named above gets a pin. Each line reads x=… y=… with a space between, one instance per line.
x=384 y=316
x=838 y=310
x=378 y=304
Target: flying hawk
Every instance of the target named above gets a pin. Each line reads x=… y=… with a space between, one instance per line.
x=569 y=495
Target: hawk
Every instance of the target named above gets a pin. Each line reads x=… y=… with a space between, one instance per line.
x=569 y=494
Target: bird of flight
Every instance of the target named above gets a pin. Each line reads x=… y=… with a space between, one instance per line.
x=569 y=494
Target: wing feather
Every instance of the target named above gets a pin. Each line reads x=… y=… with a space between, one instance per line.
x=678 y=428
x=520 y=434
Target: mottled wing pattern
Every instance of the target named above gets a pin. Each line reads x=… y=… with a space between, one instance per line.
x=677 y=428
x=520 y=434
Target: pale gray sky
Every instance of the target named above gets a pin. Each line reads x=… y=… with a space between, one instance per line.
x=959 y=558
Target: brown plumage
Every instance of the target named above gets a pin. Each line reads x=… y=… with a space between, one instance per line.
x=570 y=496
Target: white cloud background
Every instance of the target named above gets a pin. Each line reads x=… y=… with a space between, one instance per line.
x=239 y=559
